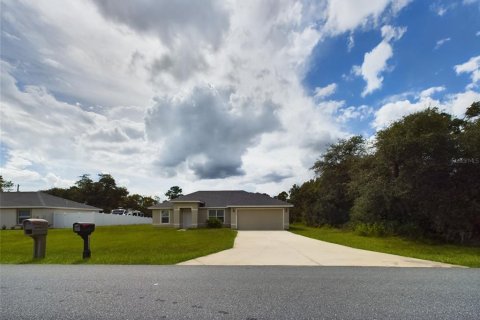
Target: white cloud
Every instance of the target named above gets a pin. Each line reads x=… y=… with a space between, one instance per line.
x=355 y=113
x=375 y=61
x=477 y=34
x=439 y=10
x=86 y=87
x=396 y=110
x=323 y=92
x=472 y=66
x=390 y=33
x=351 y=42
x=431 y=91
x=441 y=42
x=442 y=8
x=208 y=130
x=345 y=15
x=458 y=103
x=455 y=104
x=52 y=179
x=44 y=134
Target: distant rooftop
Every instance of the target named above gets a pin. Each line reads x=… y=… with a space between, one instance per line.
x=39 y=200
x=225 y=198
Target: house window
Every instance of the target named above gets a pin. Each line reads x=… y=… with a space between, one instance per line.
x=165 y=216
x=219 y=214
x=23 y=214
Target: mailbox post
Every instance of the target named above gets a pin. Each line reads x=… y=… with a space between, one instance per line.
x=37 y=229
x=84 y=229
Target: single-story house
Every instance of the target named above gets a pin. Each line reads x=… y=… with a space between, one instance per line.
x=236 y=209
x=18 y=206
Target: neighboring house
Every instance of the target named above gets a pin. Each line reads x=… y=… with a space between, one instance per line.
x=18 y=206
x=236 y=209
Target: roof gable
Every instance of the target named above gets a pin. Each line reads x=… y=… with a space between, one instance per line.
x=226 y=198
x=39 y=200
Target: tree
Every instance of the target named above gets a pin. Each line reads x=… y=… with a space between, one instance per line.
x=103 y=193
x=334 y=169
x=473 y=110
x=423 y=177
x=174 y=192
x=5 y=185
x=282 y=196
x=108 y=193
x=302 y=197
x=148 y=202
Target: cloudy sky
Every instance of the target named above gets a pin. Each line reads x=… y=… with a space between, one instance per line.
x=218 y=94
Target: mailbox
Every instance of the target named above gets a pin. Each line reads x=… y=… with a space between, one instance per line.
x=84 y=230
x=37 y=229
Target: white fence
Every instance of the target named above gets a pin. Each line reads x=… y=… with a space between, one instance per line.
x=66 y=220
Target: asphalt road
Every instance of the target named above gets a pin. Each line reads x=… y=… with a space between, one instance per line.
x=211 y=292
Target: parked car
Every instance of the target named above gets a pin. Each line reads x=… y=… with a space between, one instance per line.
x=120 y=211
x=138 y=213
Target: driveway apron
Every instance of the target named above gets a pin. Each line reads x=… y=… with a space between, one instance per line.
x=289 y=249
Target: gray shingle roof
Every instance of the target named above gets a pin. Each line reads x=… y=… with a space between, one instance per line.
x=226 y=198
x=39 y=200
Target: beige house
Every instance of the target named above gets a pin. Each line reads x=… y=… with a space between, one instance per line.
x=236 y=209
x=18 y=206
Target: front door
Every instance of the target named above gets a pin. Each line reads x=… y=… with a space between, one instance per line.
x=186 y=219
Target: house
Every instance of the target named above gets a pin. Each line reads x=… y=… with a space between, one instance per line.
x=18 y=206
x=236 y=209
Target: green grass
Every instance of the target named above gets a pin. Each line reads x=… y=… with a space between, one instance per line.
x=454 y=254
x=139 y=244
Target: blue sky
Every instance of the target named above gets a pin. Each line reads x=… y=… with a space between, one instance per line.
x=419 y=62
x=219 y=94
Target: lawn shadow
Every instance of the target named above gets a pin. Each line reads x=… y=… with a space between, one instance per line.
x=29 y=261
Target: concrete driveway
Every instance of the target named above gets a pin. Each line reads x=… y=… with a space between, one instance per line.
x=289 y=249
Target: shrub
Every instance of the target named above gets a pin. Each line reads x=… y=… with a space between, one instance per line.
x=4 y=227
x=410 y=230
x=376 y=229
x=214 y=223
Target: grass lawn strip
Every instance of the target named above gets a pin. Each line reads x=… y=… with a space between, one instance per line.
x=447 y=253
x=137 y=244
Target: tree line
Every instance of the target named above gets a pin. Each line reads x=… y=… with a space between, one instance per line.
x=419 y=177
x=105 y=194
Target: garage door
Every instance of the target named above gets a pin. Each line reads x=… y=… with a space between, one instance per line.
x=260 y=219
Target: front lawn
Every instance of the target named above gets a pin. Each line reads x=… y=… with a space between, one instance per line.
x=454 y=254
x=138 y=244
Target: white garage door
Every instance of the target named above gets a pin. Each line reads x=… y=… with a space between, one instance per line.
x=260 y=219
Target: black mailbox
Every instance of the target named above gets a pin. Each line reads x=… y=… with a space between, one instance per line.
x=84 y=229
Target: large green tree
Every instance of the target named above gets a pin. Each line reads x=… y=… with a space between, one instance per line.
x=282 y=196
x=104 y=193
x=6 y=185
x=174 y=192
x=333 y=200
x=421 y=178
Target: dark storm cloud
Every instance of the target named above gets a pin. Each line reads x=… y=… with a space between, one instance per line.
x=206 y=132
x=190 y=30
x=274 y=177
x=181 y=67
x=201 y=20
